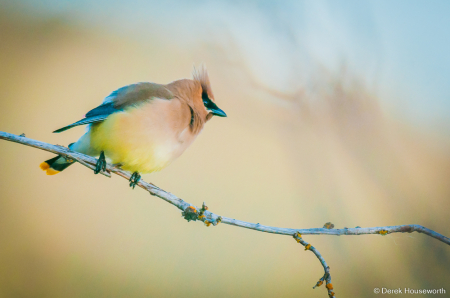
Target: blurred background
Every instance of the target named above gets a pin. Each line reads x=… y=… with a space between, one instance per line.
x=337 y=111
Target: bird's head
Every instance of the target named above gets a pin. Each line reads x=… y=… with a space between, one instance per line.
x=198 y=95
x=207 y=97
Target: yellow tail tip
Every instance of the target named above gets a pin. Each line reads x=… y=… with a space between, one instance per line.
x=44 y=166
x=51 y=171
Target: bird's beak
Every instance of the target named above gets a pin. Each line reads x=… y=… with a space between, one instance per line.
x=214 y=109
x=218 y=112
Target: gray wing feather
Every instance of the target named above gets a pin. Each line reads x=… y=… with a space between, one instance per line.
x=83 y=121
x=120 y=99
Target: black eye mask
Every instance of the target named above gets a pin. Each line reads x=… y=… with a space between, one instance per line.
x=211 y=106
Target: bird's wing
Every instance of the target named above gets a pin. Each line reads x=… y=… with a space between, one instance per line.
x=121 y=99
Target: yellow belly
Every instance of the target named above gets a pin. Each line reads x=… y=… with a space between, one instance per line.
x=143 y=139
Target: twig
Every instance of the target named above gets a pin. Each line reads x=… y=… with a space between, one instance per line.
x=326 y=277
x=190 y=211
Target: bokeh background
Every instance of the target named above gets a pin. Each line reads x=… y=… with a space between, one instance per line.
x=337 y=111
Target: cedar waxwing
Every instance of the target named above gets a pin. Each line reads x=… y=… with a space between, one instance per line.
x=143 y=127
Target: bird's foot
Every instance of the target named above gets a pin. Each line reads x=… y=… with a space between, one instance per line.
x=134 y=180
x=101 y=164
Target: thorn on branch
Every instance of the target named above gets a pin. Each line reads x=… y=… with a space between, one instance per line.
x=22 y=135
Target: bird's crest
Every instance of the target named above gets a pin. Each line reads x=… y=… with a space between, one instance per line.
x=201 y=75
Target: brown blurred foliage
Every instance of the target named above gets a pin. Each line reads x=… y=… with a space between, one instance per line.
x=328 y=152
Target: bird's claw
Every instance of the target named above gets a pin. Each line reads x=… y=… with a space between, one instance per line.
x=101 y=164
x=134 y=179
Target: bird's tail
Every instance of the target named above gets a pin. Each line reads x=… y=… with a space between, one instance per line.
x=55 y=165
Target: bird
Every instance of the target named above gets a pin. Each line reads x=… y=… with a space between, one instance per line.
x=143 y=127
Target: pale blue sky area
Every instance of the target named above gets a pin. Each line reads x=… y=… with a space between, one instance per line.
x=400 y=46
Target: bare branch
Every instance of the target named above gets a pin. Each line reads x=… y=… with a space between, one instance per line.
x=326 y=277
x=192 y=212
